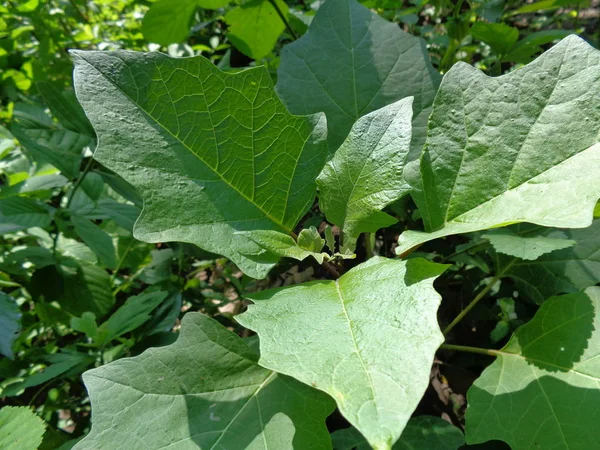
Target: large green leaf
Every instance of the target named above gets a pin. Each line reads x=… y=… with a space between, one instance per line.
x=562 y=271
x=211 y=153
x=10 y=324
x=20 y=429
x=422 y=433
x=365 y=174
x=368 y=339
x=255 y=26
x=204 y=391
x=544 y=388
x=352 y=62
x=522 y=147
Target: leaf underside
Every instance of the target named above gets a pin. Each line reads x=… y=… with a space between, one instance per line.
x=500 y=151
x=367 y=339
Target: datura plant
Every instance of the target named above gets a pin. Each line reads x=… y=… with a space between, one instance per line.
x=358 y=119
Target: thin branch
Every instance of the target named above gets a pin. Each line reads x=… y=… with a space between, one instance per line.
x=471 y=305
x=283 y=18
x=463 y=348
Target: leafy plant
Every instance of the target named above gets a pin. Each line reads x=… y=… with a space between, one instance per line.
x=220 y=163
x=324 y=224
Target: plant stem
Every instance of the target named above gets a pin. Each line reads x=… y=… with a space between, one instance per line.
x=79 y=181
x=283 y=18
x=463 y=348
x=409 y=251
x=471 y=305
x=368 y=247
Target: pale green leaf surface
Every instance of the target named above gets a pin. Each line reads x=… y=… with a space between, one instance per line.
x=562 y=271
x=211 y=153
x=421 y=433
x=368 y=339
x=528 y=247
x=544 y=388
x=255 y=26
x=168 y=22
x=352 y=62
x=205 y=391
x=283 y=245
x=330 y=239
x=522 y=147
x=310 y=239
x=98 y=240
x=10 y=324
x=365 y=174
x=20 y=429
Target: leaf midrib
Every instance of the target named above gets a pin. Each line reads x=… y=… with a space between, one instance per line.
x=241 y=194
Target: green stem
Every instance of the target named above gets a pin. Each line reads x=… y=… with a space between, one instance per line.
x=368 y=247
x=465 y=249
x=471 y=305
x=79 y=181
x=463 y=348
x=283 y=18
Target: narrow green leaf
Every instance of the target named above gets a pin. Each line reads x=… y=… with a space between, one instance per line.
x=20 y=429
x=365 y=174
x=352 y=62
x=528 y=246
x=543 y=390
x=19 y=213
x=567 y=270
x=220 y=398
x=134 y=313
x=518 y=148
x=330 y=239
x=500 y=37
x=34 y=185
x=65 y=108
x=368 y=339
x=10 y=324
x=231 y=147
x=255 y=26
x=98 y=240
x=422 y=432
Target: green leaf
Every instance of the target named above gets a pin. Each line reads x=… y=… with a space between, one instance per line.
x=61 y=363
x=284 y=245
x=543 y=390
x=500 y=37
x=310 y=239
x=19 y=213
x=20 y=428
x=518 y=148
x=65 y=108
x=204 y=391
x=46 y=142
x=168 y=22
x=422 y=432
x=352 y=62
x=255 y=26
x=10 y=324
x=77 y=286
x=134 y=313
x=365 y=174
x=98 y=240
x=86 y=324
x=230 y=147
x=567 y=270
x=529 y=247
x=330 y=239
x=34 y=185
x=367 y=339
